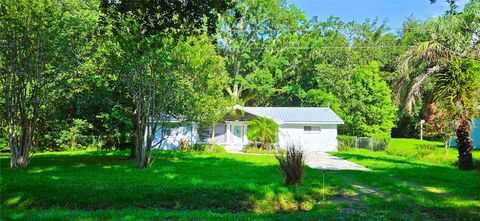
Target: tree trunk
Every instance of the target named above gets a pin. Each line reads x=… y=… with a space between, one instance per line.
x=446 y=143
x=19 y=148
x=139 y=140
x=464 y=144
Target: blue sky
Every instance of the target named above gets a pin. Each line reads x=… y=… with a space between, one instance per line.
x=394 y=10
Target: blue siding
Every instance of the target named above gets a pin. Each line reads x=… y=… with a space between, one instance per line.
x=475 y=134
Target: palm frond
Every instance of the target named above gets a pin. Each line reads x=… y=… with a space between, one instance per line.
x=429 y=52
x=458 y=86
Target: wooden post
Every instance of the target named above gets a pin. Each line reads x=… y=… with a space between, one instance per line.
x=323 y=184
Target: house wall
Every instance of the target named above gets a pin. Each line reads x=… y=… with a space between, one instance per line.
x=475 y=134
x=175 y=135
x=325 y=140
x=205 y=134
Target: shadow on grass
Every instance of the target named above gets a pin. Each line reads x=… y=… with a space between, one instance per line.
x=177 y=180
x=441 y=192
x=227 y=183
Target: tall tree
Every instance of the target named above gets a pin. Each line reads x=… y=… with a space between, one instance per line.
x=449 y=60
x=248 y=37
x=43 y=42
x=165 y=77
x=186 y=16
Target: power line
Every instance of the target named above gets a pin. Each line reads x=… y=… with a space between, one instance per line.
x=329 y=47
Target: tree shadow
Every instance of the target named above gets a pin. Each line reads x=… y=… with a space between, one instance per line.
x=177 y=180
x=226 y=183
x=424 y=191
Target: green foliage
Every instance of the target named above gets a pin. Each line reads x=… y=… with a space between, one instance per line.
x=345 y=142
x=68 y=139
x=371 y=111
x=448 y=59
x=44 y=44
x=424 y=149
x=187 y=17
x=117 y=126
x=458 y=87
x=215 y=148
x=199 y=147
x=256 y=150
x=253 y=71
x=263 y=130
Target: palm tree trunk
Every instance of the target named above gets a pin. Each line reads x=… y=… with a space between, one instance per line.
x=464 y=144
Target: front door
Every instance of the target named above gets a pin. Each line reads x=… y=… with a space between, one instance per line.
x=236 y=138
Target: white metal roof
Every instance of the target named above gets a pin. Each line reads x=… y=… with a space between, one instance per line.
x=305 y=115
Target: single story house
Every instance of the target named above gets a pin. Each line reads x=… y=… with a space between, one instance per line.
x=314 y=128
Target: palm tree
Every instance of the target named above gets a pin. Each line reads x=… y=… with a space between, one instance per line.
x=452 y=68
x=262 y=129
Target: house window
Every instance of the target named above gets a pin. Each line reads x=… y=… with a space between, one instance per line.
x=312 y=129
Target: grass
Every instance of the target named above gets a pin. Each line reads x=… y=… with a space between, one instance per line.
x=408 y=148
x=185 y=185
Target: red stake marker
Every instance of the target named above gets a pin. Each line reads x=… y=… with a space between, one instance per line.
x=323 y=184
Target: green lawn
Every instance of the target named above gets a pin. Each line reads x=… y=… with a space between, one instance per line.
x=408 y=148
x=102 y=185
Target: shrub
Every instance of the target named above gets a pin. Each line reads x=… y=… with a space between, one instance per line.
x=207 y=148
x=380 y=144
x=217 y=148
x=185 y=145
x=92 y=142
x=256 y=150
x=4 y=140
x=345 y=142
x=291 y=165
x=264 y=130
x=199 y=147
x=68 y=139
x=424 y=149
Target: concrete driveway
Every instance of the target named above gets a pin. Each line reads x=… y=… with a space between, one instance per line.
x=322 y=160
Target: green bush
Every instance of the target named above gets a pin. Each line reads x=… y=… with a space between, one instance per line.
x=345 y=142
x=4 y=141
x=217 y=149
x=208 y=148
x=263 y=130
x=256 y=150
x=380 y=144
x=199 y=147
x=424 y=149
x=68 y=139
x=91 y=142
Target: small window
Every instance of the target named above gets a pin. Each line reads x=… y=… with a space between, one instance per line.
x=312 y=129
